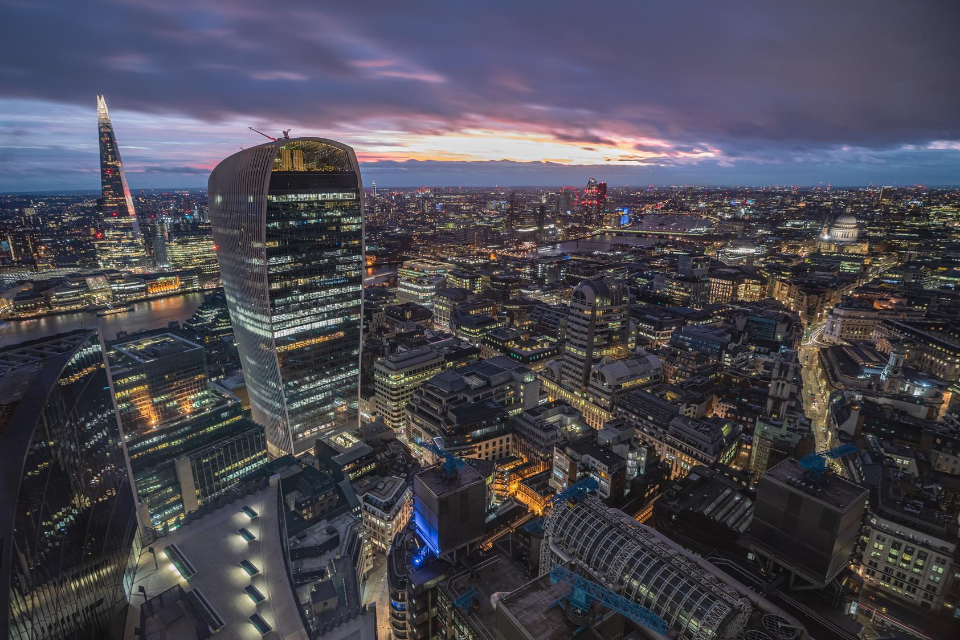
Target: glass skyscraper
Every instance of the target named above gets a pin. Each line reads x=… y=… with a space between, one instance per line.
x=68 y=534
x=287 y=221
x=119 y=242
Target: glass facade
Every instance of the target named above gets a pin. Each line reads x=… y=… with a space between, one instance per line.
x=118 y=242
x=68 y=535
x=170 y=414
x=287 y=222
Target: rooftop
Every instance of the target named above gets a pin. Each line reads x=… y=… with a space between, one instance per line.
x=831 y=490
x=437 y=483
x=486 y=577
x=155 y=347
x=214 y=548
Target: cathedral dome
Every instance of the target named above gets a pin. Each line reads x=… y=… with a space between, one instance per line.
x=844 y=229
x=846 y=221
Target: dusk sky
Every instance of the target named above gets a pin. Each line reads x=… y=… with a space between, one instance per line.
x=484 y=92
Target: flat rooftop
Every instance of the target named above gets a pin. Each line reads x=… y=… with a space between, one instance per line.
x=153 y=347
x=213 y=548
x=438 y=484
x=532 y=607
x=832 y=490
x=490 y=575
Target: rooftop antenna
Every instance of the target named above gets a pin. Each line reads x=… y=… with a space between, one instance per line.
x=262 y=133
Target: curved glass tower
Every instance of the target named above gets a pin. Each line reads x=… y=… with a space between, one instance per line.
x=287 y=222
x=68 y=543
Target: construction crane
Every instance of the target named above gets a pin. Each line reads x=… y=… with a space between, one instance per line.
x=451 y=463
x=584 y=592
x=816 y=463
x=263 y=134
x=574 y=492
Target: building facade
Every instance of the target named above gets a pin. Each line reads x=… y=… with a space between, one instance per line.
x=188 y=441
x=118 y=241
x=287 y=221
x=68 y=534
x=598 y=326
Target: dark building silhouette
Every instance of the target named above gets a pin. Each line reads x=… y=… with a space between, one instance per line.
x=68 y=543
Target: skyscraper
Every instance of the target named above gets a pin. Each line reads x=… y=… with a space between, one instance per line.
x=287 y=221
x=598 y=327
x=68 y=543
x=594 y=202
x=119 y=242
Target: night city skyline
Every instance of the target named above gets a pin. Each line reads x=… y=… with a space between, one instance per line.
x=480 y=320
x=852 y=94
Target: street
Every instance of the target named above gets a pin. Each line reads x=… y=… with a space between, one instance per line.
x=375 y=590
x=814 y=393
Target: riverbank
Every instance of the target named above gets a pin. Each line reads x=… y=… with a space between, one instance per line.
x=154 y=313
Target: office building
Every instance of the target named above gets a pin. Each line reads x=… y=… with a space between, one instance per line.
x=469 y=407
x=808 y=526
x=188 y=441
x=192 y=249
x=224 y=576
x=598 y=327
x=593 y=200
x=386 y=504
x=118 y=241
x=287 y=222
x=68 y=529
x=397 y=376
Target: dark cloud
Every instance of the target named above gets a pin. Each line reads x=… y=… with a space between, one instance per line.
x=763 y=83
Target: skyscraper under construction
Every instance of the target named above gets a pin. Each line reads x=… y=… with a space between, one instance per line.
x=118 y=240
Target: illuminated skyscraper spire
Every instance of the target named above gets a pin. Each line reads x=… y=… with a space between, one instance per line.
x=118 y=242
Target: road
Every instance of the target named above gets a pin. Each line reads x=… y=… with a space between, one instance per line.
x=375 y=590
x=814 y=391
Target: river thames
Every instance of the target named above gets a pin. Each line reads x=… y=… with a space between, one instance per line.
x=151 y=314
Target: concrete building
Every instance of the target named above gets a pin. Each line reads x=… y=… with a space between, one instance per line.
x=396 y=379
x=469 y=407
x=386 y=507
x=810 y=527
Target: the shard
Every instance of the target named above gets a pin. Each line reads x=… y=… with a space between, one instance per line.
x=118 y=241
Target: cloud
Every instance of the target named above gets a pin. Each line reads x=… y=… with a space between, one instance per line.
x=731 y=86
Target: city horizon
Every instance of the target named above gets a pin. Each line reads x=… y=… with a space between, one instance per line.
x=462 y=321
x=367 y=187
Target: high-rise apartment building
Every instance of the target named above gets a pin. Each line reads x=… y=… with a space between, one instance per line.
x=287 y=221
x=118 y=241
x=68 y=543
